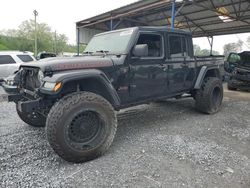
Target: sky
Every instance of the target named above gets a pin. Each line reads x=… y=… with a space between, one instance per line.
x=61 y=16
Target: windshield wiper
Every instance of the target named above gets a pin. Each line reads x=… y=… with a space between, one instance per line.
x=88 y=53
x=103 y=51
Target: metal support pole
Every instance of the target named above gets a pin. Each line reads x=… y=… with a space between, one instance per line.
x=35 y=14
x=111 y=24
x=211 y=43
x=117 y=24
x=78 y=41
x=173 y=14
x=55 y=43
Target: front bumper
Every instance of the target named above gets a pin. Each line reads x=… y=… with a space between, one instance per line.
x=24 y=106
x=28 y=106
x=17 y=96
x=24 y=103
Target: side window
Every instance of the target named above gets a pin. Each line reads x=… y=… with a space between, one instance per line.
x=175 y=46
x=190 y=47
x=25 y=58
x=179 y=47
x=6 y=59
x=154 y=42
x=184 y=46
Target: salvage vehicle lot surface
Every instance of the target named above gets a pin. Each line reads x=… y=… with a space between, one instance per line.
x=157 y=145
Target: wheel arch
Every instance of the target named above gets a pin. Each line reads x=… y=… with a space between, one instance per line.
x=205 y=71
x=87 y=80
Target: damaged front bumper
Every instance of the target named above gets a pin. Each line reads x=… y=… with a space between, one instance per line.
x=29 y=106
x=20 y=97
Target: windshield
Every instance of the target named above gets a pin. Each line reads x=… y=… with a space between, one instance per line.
x=113 y=43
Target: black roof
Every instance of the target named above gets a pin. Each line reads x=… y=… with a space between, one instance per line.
x=164 y=29
x=152 y=28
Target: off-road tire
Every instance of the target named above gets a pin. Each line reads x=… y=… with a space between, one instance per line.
x=208 y=98
x=34 y=120
x=64 y=113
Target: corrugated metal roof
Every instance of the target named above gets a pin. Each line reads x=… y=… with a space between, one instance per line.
x=201 y=17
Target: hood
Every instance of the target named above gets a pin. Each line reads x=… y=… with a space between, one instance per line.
x=71 y=63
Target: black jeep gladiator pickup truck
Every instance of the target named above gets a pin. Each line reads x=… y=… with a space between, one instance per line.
x=77 y=98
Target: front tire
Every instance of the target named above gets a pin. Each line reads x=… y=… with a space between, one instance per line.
x=81 y=126
x=208 y=98
x=32 y=119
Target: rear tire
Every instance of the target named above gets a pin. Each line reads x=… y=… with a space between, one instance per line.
x=81 y=126
x=32 y=119
x=208 y=98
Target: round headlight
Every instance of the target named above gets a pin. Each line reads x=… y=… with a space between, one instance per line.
x=40 y=76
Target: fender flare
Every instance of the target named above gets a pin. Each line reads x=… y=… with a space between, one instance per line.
x=202 y=74
x=65 y=77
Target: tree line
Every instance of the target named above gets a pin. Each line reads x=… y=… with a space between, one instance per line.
x=236 y=46
x=22 y=39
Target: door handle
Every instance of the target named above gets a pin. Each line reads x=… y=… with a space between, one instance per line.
x=170 y=66
x=184 y=65
x=164 y=67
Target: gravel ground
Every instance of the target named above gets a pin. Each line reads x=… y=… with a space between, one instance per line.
x=157 y=145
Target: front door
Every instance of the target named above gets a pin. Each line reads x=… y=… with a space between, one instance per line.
x=147 y=75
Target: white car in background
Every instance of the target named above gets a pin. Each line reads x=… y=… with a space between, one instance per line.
x=11 y=60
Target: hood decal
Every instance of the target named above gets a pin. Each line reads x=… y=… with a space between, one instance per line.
x=71 y=66
x=74 y=63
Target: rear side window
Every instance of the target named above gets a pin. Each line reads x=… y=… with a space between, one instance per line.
x=25 y=58
x=179 y=47
x=6 y=59
x=175 y=46
x=184 y=46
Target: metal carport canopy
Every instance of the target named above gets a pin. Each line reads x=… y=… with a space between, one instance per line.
x=204 y=18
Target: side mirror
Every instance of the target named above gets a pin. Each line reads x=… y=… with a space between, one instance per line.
x=140 y=50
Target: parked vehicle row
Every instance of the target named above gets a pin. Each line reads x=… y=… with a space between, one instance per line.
x=11 y=60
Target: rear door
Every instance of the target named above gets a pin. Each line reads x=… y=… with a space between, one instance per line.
x=180 y=63
x=189 y=62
